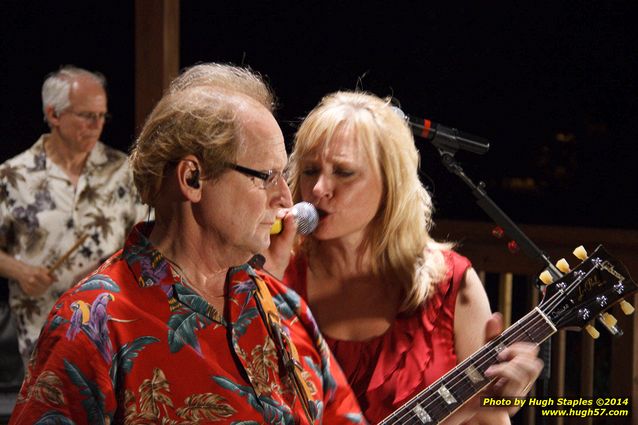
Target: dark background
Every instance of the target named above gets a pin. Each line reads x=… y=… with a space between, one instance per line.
x=552 y=85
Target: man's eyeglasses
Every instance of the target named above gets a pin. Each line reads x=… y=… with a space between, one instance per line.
x=92 y=116
x=269 y=177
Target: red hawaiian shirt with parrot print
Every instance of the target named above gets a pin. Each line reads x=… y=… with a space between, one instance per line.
x=133 y=344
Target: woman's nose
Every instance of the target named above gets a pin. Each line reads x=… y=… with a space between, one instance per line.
x=323 y=187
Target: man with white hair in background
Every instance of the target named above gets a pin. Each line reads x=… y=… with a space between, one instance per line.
x=65 y=203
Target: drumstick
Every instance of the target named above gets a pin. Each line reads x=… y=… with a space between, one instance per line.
x=66 y=255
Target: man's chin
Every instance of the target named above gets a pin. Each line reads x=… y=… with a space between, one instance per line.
x=262 y=247
x=91 y=144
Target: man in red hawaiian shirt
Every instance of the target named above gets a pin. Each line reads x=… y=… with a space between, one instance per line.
x=176 y=327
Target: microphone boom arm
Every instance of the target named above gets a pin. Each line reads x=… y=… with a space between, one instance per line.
x=497 y=214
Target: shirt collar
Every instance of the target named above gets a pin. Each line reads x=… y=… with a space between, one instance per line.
x=148 y=265
x=98 y=157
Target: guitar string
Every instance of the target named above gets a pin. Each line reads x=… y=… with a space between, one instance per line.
x=488 y=357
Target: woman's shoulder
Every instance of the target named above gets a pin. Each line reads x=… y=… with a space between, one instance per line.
x=456 y=262
x=444 y=292
x=443 y=266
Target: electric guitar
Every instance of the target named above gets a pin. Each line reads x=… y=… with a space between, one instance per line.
x=574 y=300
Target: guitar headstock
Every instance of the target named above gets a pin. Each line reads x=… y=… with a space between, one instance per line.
x=591 y=288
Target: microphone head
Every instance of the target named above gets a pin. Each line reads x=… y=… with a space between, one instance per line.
x=306 y=217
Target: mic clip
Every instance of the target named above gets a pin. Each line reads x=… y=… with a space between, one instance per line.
x=450 y=140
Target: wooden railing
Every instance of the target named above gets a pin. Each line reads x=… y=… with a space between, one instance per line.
x=580 y=366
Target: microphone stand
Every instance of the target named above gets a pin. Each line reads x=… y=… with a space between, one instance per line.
x=498 y=215
x=515 y=233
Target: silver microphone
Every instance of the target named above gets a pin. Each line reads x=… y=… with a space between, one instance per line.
x=306 y=218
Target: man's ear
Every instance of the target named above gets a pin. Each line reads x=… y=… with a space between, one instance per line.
x=53 y=118
x=189 y=177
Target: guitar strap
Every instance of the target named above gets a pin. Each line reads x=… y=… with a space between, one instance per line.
x=285 y=347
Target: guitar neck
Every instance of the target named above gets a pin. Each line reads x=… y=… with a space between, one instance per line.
x=456 y=387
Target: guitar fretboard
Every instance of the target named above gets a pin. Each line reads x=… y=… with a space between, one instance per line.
x=456 y=387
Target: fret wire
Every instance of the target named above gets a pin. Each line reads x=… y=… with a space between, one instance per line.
x=453 y=380
x=414 y=420
x=530 y=336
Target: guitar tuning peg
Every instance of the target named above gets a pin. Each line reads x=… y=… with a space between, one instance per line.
x=626 y=307
x=562 y=265
x=592 y=331
x=609 y=320
x=580 y=253
x=546 y=277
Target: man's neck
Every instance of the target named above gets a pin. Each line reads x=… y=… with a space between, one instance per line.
x=71 y=162
x=193 y=261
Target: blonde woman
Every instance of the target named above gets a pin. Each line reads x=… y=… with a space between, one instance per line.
x=397 y=308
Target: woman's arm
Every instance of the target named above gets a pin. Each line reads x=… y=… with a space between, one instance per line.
x=474 y=326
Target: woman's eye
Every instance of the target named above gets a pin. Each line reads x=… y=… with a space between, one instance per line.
x=309 y=171
x=343 y=173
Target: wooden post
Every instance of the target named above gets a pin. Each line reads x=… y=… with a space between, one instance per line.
x=156 y=53
x=505 y=297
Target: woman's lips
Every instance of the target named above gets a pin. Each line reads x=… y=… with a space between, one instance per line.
x=322 y=213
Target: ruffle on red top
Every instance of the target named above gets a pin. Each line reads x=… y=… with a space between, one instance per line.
x=387 y=370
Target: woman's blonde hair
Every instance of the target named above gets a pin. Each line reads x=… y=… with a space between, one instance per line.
x=398 y=238
x=197 y=116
